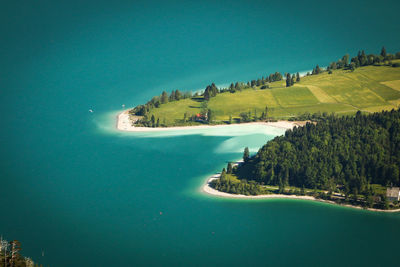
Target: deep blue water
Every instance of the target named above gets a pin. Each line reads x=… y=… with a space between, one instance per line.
x=89 y=196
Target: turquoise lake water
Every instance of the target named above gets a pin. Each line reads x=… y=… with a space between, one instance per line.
x=87 y=195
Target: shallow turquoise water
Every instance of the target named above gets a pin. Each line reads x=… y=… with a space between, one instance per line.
x=90 y=196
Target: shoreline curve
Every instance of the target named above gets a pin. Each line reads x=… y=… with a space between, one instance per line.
x=124 y=124
x=207 y=189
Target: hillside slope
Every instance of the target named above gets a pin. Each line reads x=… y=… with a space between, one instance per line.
x=369 y=89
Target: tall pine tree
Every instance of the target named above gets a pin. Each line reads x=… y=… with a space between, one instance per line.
x=383 y=52
x=246 y=154
x=288 y=80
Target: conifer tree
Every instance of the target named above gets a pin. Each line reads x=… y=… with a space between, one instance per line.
x=232 y=88
x=297 y=77
x=345 y=60
x=352 y=66
x=229 y=168
x=223 y=171
x=238 y=86
x=281 y=186
x=164 y=97
x=210 y=116
x=288 y=80
x=206 y=95
x=172 y=96
x=383 y=52
x=362 y=58
x=214 y=89
x=246 y=154
x=317 y=70
x=178 y=95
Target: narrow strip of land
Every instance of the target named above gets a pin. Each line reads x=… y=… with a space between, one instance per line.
x=206 y=188
x=124 y=123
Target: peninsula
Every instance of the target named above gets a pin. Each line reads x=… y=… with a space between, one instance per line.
x=124 y=123
x=210 y=190
x=368 y=83
x=336 y=149
x=349 y=160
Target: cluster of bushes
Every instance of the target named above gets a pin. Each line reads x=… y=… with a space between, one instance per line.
x=365 y=60
x=243 y=187
x=264 y=82
x=360 y=60
x=249 y=116
x=156 y=102
x=315 y=117
x=290 y=79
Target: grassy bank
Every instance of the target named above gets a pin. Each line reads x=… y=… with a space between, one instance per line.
x=369 y=89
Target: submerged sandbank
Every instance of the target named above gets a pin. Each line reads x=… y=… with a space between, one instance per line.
x=124 y=123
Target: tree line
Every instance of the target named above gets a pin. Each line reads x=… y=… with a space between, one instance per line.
x=206 y=114
x=360 y=60
x=156 y=101
x=210 y=91
x=291 y=79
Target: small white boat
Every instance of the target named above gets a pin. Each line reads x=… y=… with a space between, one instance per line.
x=90 y=110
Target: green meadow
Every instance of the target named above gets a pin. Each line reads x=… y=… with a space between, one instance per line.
x=368 y=89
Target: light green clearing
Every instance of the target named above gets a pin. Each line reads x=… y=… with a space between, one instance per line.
x=393 y=84
x=370 y=89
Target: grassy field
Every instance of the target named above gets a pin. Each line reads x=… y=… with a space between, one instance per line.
x=369 y=89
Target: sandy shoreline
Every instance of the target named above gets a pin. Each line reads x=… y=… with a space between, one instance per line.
x=211 y=191
x=124 y=124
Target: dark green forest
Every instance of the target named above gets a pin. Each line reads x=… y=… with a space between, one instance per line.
x=337 y=154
